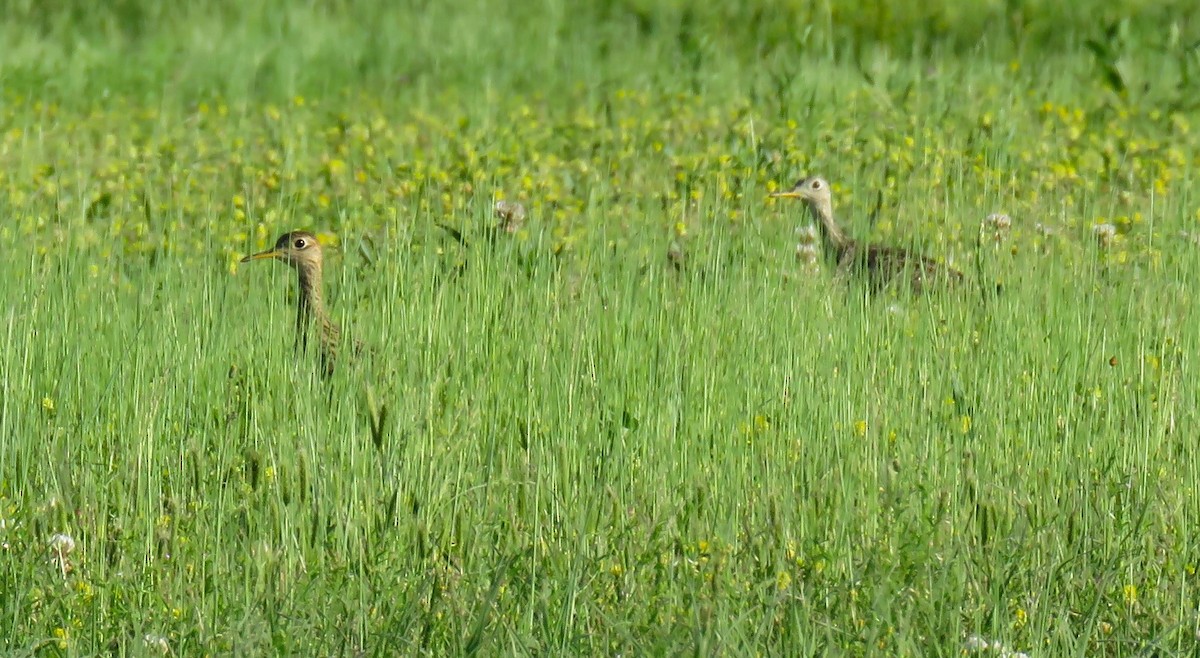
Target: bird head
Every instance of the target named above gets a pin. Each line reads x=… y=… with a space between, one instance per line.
x=300 y=249
x=812 y=189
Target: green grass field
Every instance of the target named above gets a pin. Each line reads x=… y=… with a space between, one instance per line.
x=558 y=443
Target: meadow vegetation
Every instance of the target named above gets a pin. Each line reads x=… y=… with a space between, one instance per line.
x=563 y=441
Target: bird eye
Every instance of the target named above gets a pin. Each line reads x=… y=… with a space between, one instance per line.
x=816 y=185
x=301 y=243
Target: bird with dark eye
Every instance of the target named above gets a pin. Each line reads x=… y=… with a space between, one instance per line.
x=881 y=265
x=302 y=251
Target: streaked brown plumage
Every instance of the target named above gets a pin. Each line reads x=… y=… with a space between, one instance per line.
x=302 y=251
x=881 y=265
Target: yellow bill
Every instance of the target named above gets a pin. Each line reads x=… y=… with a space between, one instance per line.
x=270 y=253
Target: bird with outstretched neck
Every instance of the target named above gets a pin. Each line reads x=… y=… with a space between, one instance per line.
x=302 y=251
x=880 y=265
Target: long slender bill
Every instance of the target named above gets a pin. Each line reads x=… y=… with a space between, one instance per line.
x=270 y=253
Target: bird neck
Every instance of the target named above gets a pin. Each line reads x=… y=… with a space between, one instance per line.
x=832 y=235
x=312 y=304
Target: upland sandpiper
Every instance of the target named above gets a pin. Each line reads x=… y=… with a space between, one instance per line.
x=302 y=251
x=880 y=265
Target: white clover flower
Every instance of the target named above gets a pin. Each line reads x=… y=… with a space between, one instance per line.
x=157 y=642
x=979 y=644
x=807 y=253
x=62 y=544
x=511 y=215
x=976 y=643
x=996 y=226
x=998 y=221
x=807 y=234
x=1105 y=234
